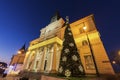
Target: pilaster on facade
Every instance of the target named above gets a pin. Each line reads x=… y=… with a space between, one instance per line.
x=58 y=54
x=34 y=61
x=39 y=58
x=26 y=60
x=53 y=70
x=43 y=60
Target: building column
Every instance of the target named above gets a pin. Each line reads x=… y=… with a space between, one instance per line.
x=58 y=57
x=43 y=60
x=48 y=59
x=27 y=60
x=34 y=62
x=39 y=55
x=53 y=70
x=51 y=57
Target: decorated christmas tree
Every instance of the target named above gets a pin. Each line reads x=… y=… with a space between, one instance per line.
x=70 y=62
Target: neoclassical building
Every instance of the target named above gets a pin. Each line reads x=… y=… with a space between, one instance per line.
x=43 y=53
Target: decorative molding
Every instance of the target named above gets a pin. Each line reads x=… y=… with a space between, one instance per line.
x=46 y=42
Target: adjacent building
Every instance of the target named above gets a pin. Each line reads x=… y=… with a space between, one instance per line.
x=43 y=53
x=17 y=60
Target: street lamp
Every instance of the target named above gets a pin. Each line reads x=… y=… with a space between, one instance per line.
x=113 y=62
x=19 y=52
x=89 y=44
x=119 y=52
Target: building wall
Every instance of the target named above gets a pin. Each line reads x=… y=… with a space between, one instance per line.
x=91 y=33
x=17 y=59
x=47 y=60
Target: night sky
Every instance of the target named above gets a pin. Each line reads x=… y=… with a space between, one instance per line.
x=21 y=20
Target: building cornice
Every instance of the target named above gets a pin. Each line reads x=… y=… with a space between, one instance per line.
x=46 y=42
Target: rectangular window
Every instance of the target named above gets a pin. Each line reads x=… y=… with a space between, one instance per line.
x=89 y=62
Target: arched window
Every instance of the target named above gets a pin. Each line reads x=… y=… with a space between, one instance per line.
x=84 y=42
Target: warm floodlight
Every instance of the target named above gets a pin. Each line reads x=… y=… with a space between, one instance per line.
x=84 y=27
x=19 y=52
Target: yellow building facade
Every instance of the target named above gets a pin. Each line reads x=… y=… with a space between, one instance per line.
x=43 y=53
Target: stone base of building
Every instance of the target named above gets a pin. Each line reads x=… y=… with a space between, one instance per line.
x=30 y=74
x=53 y=71
x=50 y=78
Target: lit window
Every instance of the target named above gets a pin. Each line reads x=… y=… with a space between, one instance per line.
x=89 y=62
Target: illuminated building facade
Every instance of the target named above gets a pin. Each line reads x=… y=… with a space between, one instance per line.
x=43 y=53
x=17 y=60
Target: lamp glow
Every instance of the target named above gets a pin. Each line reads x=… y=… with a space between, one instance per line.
x=19 y=52
x=84 y=27
x=113 y=62
x=118 y=52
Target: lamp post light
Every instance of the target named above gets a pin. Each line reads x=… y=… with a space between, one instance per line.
x=119 y=52
x=119 y=57
x=19 y=52
x=113 y=62
x=89 y=44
